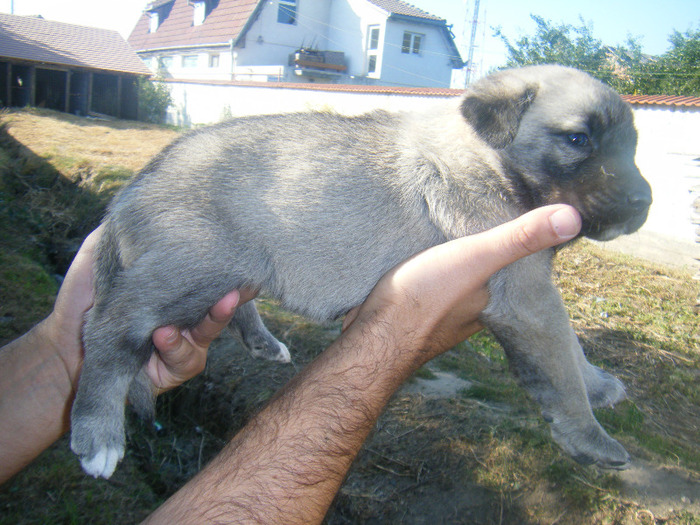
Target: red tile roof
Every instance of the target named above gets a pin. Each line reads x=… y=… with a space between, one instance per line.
x=223 y=24
x=38 y=40
x=663 y=100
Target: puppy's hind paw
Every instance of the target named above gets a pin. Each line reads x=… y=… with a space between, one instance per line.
x=102 y=464
x=590 y=444
x=604 y=389
x=283 y=356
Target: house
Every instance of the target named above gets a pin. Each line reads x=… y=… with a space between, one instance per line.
x=66 y=67
x=376 y=42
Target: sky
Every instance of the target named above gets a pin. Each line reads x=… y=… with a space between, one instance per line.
x=612 y=20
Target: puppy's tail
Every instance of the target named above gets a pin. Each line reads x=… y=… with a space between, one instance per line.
x=142 y=397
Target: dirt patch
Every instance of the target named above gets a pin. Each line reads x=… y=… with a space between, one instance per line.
x=663 y=490
x=440 y=384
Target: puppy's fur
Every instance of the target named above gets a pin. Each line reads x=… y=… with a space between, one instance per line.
x=314 y=208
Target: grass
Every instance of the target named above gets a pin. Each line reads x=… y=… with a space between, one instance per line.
x=483 y=456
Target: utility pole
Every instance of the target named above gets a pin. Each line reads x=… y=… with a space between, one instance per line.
x=472 y=45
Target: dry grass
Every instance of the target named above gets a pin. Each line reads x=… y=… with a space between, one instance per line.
x=99 y=143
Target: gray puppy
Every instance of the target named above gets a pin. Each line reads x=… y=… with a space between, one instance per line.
x=314 y=208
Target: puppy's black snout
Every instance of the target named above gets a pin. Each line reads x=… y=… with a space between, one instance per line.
x=639 y=200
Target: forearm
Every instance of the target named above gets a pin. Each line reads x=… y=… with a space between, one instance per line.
x=35 y=396
x=288 y=463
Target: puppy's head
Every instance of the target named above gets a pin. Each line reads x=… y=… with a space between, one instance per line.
x=564 y=137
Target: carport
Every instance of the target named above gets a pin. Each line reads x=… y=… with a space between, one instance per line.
x=75 y=69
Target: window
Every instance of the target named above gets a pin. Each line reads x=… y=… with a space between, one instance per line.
x=200 y=12
x=214 y=60
x=287 y=12
x=372 y=49
x=165 y=62
x=373 y=38
x=411 y=42
x=153 y=21
x=189 y=61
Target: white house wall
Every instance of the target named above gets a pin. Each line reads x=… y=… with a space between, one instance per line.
x=348 y=23
x=270 y=42
x=202 y=71
x=431 y=67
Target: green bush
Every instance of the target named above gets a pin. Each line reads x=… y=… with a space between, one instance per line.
x=154 y=99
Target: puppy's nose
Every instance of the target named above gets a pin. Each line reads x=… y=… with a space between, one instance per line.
x=639 y=200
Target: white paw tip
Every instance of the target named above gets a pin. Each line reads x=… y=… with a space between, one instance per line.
x=284 y=356
x=102 y=464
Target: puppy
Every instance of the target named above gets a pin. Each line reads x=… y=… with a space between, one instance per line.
x=314 y=208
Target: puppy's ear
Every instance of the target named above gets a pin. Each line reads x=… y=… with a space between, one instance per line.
x=495 y=105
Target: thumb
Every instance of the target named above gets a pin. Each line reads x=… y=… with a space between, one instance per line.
x=532 y=232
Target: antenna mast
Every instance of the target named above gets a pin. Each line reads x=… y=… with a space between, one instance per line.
x=472 y=45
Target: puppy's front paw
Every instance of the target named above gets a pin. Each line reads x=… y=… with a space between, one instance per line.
x=267 y=347
x=99 y=449
x=589 y=444
x=604 y=389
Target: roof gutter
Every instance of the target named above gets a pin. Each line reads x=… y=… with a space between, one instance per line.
x=175 y=48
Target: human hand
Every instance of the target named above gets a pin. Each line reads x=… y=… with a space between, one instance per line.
x=432 y=301
x=179 y=355
x=182 y=354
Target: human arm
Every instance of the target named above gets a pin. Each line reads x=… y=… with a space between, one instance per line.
x=39 y=371
x=287 y=464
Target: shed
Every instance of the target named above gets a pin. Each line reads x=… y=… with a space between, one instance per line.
x=66 y=67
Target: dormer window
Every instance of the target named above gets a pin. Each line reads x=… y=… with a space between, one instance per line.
x=153 y=21
x=158 y=11
x=200 y=12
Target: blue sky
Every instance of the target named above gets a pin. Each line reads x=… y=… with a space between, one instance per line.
x=613 y=20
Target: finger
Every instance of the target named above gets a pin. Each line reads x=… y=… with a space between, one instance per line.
x=216 y=319
x=530 y=233
x=167 y=339
x=176 y=358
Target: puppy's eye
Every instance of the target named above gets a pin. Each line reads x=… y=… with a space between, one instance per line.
x=578 y=139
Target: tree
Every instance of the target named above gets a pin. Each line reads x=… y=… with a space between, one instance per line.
x=154 y=99
x=563 y=44
x=624 y=67
x=678 y=70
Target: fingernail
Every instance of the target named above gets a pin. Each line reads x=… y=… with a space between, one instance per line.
x=566 y=222
x=172 y=335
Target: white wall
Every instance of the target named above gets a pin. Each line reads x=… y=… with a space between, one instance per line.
x=668 y=147
x=202 y=71
x=199 y=103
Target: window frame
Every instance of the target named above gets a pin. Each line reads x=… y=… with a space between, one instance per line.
x=189 y=61
x=414 y=44
x=374 y=35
